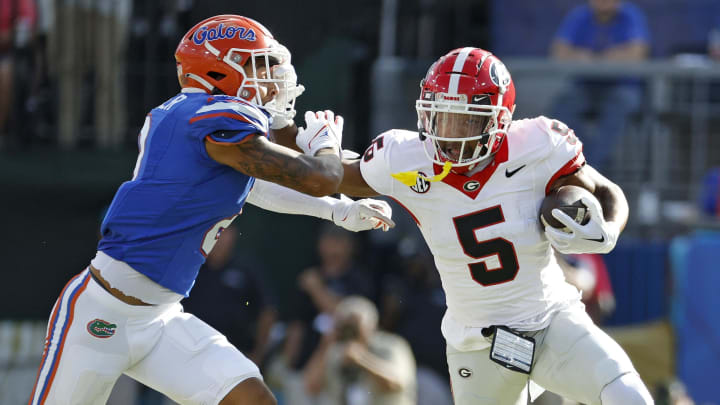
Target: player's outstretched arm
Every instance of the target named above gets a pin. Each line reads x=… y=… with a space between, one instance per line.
x=352 y=215
x=317 y=175
x=353 y=183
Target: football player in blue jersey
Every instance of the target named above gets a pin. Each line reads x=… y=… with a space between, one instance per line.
x=203 y=154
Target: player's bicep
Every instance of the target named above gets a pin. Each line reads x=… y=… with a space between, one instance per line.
x=592 y=180
x=227 y=153
x=353 y=183
x=585 y=177
x=611 y=197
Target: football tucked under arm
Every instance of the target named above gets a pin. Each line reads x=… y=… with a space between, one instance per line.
x=581 y=227
x=567 y=199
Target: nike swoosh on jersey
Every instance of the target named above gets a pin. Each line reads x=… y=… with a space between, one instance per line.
x=509 y=173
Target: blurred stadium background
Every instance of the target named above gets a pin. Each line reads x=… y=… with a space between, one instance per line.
x=62 y=155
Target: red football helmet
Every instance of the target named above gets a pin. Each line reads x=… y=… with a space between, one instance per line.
x=212 y=56
x=465 y=107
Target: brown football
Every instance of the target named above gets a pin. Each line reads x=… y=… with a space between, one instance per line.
x=566 y=199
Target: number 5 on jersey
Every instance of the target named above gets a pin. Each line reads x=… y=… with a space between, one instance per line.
x=501 y=248
x=370 y=152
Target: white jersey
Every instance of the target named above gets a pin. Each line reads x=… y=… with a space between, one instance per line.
x=495 y=263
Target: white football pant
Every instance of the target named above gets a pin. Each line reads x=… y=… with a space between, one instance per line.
x=94 y=338
x=573 y=358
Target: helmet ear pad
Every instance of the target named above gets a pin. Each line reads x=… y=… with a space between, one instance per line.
x=228 y=81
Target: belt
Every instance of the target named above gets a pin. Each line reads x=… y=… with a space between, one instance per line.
x=130 y=300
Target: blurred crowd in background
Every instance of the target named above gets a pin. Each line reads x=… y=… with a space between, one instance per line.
x=311 y=303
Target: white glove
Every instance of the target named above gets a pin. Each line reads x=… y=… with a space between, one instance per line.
x=282 y=107
x=323 y=130
x=337 y=122
x=362 y=215
x=597 y=236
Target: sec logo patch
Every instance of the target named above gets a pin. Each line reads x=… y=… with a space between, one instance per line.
x=421 y=184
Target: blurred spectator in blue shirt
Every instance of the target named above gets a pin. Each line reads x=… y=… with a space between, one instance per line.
x=710 y=194
x=602 y=30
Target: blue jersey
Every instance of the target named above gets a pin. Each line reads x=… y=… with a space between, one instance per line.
x=166 y=219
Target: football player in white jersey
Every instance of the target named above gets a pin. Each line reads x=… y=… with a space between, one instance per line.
x=474 y=180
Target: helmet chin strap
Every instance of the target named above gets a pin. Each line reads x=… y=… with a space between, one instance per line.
x=478 y=151
x=476 y=167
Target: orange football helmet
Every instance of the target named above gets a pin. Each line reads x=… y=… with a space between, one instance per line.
x=213 y=54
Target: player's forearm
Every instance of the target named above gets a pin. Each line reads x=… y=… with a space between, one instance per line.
x=610 y=195
x=286 y=137
x=353 y=183
x=317 y=175
x=614 y=204
x=256 y=156
x=274 y=197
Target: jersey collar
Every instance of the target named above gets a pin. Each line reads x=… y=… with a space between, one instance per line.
x=471 y=185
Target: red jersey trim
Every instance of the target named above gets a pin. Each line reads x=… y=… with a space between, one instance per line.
x=570 y=167
x=458 y=181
